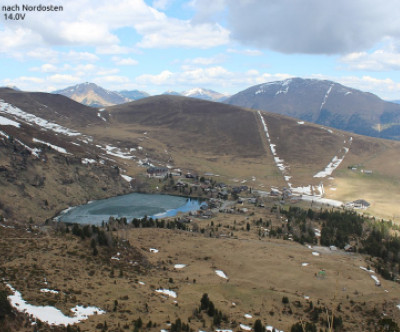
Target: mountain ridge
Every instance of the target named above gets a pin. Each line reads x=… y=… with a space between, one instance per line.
x=324 y=102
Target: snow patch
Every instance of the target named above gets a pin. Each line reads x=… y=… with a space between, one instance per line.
x=7 y=122
x=167 y=292
x=46 y=290
x=245 y=327
x=86 y=161
x=367 y=270
x=126 y=178
x=54 y=147
x=99 y=115
x=49 y=314
x=377 y=282
x=117 y=152
x=34 y=151
x=179 y=266
x=221 y=274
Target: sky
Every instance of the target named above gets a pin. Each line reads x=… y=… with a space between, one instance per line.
x=223 y=45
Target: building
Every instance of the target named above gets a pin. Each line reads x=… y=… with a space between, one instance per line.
x=158 y=172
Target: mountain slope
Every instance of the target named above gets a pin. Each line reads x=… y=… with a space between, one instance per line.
x=92 y=95
x=51 y=107
x=215 y=127
x=324 y=102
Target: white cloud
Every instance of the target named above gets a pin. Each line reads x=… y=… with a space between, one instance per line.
x=31 y=79
x=249 y=52
x=219 y=58
x=86 y=33
x=49 y=55
x=96 y=23
x=112 y=79
x=79 y=56
x=18 y=39
x=217 y=78
x=115 y=49
x=178 y=33
x=161 y=4
x=384 y=59
x=385 y=88
x=46 y=68
x=63 y=78
x=107 y=71
x=161 y=79
x=125 y=61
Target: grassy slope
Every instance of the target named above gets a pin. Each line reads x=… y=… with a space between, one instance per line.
x=261 y=271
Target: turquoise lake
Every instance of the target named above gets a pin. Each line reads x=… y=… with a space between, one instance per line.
x=129 y=206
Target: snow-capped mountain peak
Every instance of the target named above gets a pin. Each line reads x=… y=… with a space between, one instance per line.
x=202 y=93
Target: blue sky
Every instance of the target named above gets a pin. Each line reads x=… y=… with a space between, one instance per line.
x=224 y=45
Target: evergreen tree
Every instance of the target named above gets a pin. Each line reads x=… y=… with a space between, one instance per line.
x=204 y=302
x=258 y=326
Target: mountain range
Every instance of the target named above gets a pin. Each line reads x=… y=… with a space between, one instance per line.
x=91 y=94
x=324 y=102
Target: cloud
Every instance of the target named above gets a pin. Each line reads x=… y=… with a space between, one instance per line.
x=219 y=58
x=114 y=79
x=18 y=39
x=161 y=4
x=249 y=52
x=115 y=49
x=159 y=79
x=178 y=33
x=79 y=56
x=216 y=77
x=46 y=68
x=97 y=23
x=86 y=33
x=385 y=88
x=207 y=10
x=63 y=78
x=125 y=61
x=386 y=58
x=313 y=26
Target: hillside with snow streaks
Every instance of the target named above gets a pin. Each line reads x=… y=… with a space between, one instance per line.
x=336 y=161
x=278 y=161
x=314 y=192
x=31 y=119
